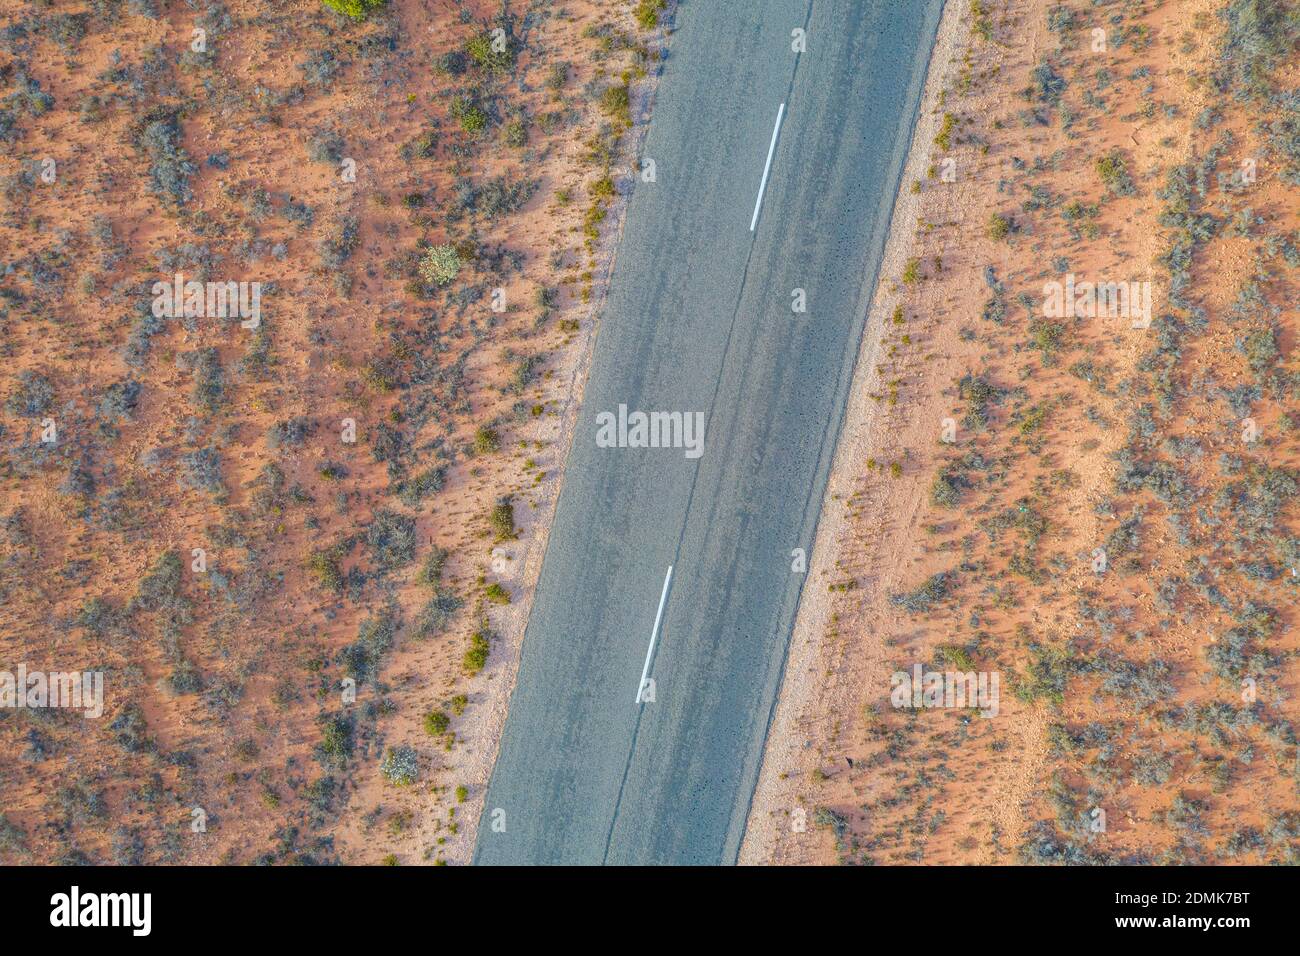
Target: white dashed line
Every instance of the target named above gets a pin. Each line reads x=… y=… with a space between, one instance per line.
x=767 y=168
x=654 y=634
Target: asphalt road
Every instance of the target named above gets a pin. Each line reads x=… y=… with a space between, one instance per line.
x=700 y=319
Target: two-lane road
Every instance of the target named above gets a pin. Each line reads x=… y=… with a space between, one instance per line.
x=743 y=222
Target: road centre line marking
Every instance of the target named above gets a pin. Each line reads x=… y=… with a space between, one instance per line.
x=767 y=168
x=654 y=634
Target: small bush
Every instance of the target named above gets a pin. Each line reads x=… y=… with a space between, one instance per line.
x=616 y=102
x=292 y=432
x=946 y=489
x=323 y=566
x=436 y=723
x=472 y=117
x=400 y=766
x=647 y=13
x=426 y=483
x=362 y=657
x=1115 y=175
x=483 y=53
x=502 y=520
x=131 y=731
x=436 y=614
x=999 y=227
x=440 y=264
x=430 y=573
x=354 y=9
x=516 y=134
x=209 y=378
x=325 y=146
x=981 y=21
x=391 y=539
x=933 y=591
x=170 y=168
x=944 y=138
x=338 y=248
x=422 y=146
x=450 y=64
x=476 y=656
x=161 y=586
x=1048 y=85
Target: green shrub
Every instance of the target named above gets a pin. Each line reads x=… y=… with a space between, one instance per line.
x=13 y=839
x=1114 y=174
x=323 y=566
x=479 y=49
x=472 y=117
x=436 y=723
x=944 y=139
x=1259 y=34
x=170 y=168
x=647 y=13
x=956 y=657
x=34 y=396
x=325 y=146
x=616 y=102
x=476 y=656
x=1046 y=676
x=185 y=678
x=999 y=227
x=440 y=264
x=979 y=394
x=354 y=9
x=557 y=74
x=502 y=520
x=1048 y=85
x=516 y=134
x=981 y=22
x=422 y=146
x=336 y=740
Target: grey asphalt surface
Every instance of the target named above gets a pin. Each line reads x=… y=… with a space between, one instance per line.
x=699 y=319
